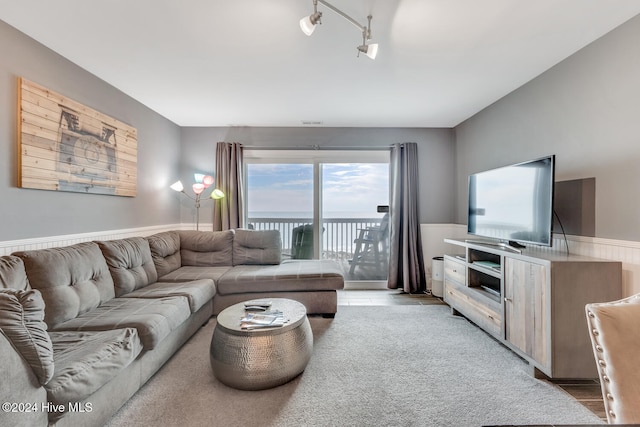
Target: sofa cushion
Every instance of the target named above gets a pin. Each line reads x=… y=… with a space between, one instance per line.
x=154 y=318
x=130 y=263
x=198 y=292
x=165 y=251
x=188 y=273
x=85 y=361
x=206 y=248
x=72 y=279
x=12 y=274
x=298 y=275
x=21 y=321
x=257 y=247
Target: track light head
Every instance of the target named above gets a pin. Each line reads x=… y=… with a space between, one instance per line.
x=371 y=50
x=308 y=23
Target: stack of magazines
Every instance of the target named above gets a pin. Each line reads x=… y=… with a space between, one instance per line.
x=265 y=319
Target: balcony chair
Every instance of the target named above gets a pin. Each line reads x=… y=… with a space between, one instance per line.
x=302 y=242
x=615 y=336
x=371 y=247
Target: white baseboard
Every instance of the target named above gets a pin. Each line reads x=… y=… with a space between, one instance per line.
x=365 y=284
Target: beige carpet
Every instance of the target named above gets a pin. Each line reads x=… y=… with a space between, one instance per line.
x=371 y=366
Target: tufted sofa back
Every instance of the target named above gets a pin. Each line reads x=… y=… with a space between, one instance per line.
x=257 y=247
x=72 y=279
x=130 y=263
x=188 y=248
x=206 y=248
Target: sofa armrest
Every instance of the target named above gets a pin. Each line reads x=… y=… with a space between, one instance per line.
x=165 y=251
x=614 y=328
x=20 y=389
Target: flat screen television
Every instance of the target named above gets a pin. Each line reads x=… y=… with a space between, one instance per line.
x=514 y=204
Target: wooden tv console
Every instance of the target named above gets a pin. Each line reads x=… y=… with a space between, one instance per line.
x=533 y=302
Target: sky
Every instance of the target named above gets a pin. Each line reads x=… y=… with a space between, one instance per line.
x=349 y=189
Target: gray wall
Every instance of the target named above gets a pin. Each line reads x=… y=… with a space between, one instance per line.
x=586 y=111
x=436 y=153
x=26 y=213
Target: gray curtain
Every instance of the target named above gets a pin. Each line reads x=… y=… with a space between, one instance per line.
x=228 y=211
x=406 y=265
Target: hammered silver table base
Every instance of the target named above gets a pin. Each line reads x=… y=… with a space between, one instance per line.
x=263 y=358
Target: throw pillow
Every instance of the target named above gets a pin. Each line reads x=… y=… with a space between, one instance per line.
x=22 y=322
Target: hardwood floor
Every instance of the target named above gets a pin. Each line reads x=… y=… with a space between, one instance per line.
x=587 y=392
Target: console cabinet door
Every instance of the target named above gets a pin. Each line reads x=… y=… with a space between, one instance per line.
x=526 y=309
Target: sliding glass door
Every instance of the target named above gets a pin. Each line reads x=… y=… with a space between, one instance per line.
x=281 y=196
x=355 y=199
x=327 y=205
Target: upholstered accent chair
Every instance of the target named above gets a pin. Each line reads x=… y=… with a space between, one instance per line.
x=615 y=334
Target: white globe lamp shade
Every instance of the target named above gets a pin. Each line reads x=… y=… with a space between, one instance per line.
x=177 y=186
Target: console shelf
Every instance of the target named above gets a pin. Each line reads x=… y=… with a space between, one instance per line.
x=533 y=302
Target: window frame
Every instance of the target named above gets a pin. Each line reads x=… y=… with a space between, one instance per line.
x=315 y=158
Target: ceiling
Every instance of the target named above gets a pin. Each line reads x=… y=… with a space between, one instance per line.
x=246 y=62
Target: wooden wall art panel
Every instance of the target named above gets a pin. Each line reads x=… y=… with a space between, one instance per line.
x=66 y=146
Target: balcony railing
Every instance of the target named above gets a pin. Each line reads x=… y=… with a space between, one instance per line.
x=337 y=237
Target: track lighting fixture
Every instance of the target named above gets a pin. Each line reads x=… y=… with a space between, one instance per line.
x=371 y=50
x=308 y=25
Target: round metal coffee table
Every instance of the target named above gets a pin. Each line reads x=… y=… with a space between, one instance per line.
x=261 y=358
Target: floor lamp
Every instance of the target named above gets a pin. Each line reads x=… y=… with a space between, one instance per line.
x=202 y=183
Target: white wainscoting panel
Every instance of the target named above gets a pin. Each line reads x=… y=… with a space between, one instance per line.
x=432 y=237
x=10 y=246
x=625 y=251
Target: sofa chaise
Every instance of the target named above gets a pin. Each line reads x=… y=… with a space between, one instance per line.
x=83 y=327
x=246 y=263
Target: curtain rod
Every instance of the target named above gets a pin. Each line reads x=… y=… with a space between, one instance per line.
x=316 y=147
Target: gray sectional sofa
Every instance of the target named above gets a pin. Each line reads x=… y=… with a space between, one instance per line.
x=83 y=327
